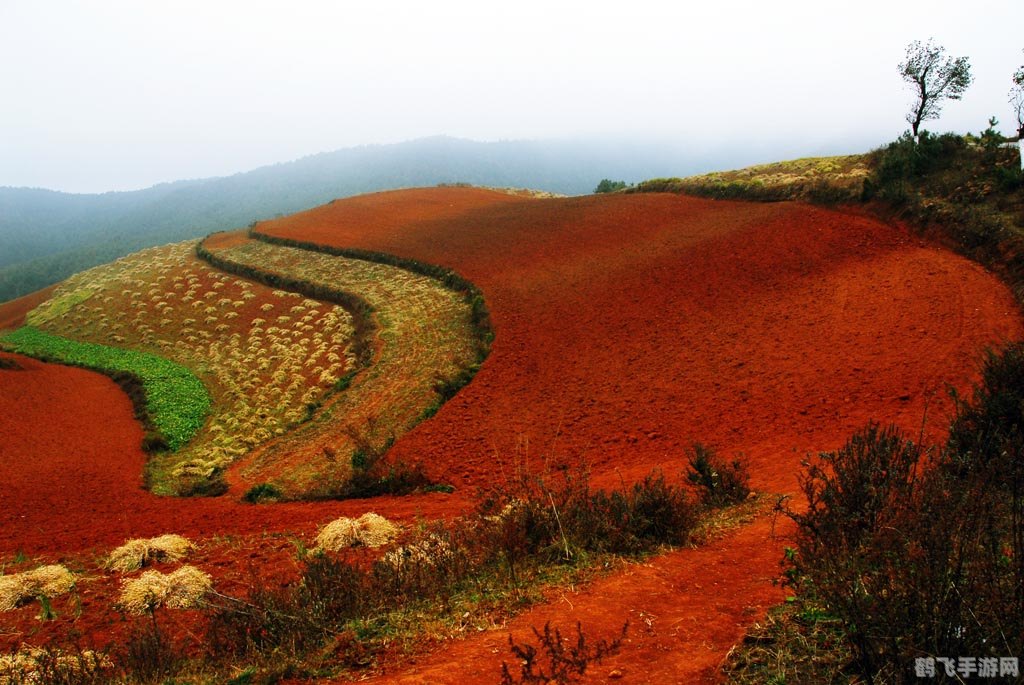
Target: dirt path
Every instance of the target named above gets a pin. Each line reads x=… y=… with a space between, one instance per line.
x=685 y=609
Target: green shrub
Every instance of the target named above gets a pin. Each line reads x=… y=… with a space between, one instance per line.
x=262 y=492
x=721 y=483
x=609 y=186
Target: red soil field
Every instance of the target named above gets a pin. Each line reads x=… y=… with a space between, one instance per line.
x=627 y=326
x=12 y=312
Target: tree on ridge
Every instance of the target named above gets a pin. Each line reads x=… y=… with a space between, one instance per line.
x=934 y=77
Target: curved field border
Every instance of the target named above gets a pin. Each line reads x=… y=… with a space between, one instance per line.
x=473 y=296
x=361 y=310
x=174 y=404
x=419 y=363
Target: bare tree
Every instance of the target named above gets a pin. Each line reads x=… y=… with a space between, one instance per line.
x=934 y=77
x=1017 y=102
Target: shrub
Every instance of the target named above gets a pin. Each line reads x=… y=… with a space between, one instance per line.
x=378 y=479
x=923 y=557
x=268 y=619
x=721 y=483
x=262 y=492
x=609 y=186
x=555 y=660
x=558 y=521
x=987 y=427
x=148 y=655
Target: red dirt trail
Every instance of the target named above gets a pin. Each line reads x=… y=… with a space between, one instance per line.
x=627 y=327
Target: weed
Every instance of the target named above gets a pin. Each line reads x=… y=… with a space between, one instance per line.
x=554 y=661
x=721 y=483
x=148 y=655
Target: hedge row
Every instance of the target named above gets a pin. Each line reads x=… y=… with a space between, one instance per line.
x=471 y=294
x=361 y=310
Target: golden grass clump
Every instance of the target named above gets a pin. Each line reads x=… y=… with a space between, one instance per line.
x=48 y=581
x=139 y=552
x=425 y=552
x=370 y=529
x=182 y=589
x=28 y=665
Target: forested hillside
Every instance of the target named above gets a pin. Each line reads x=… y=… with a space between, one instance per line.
x=46 y=236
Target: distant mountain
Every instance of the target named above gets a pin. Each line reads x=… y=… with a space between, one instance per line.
x=46 y=236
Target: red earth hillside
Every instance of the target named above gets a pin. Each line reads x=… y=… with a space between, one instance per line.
x=627 y=327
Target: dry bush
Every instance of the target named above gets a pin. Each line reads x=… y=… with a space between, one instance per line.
x=182 y=589
x=430 y=550
x=34 y=665
x=369 y=529
x=139 y=552
x=45 y=581
x=918 y=552
x=556 y=659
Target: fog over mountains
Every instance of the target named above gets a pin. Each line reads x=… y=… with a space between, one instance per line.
x=46 y=236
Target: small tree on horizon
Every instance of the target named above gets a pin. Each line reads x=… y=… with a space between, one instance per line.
x=609 y=186
x=934 y=77
x=1017 y=102
x=1017 y=99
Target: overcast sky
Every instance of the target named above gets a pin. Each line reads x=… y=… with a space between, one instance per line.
x=108 y=95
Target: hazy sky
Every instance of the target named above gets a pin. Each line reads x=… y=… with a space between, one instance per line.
x=110 y=94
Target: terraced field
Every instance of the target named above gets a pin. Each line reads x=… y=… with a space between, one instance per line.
x=273 y=359
x=425 y=337
x=264 y=354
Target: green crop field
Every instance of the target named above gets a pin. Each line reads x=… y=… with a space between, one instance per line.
x=176 y=400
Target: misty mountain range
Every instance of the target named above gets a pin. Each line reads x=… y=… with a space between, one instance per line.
x=46 y=236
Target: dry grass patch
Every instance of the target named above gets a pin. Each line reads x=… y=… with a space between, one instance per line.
x=426 y=342
x=45 y=581
x=134 y=554
x=369 y=529
x=263 y=375
x=429 y=551
x=832 y=179
x=34 y=665
x=182 y=589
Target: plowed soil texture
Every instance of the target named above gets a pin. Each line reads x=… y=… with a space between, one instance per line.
x=627 y=327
